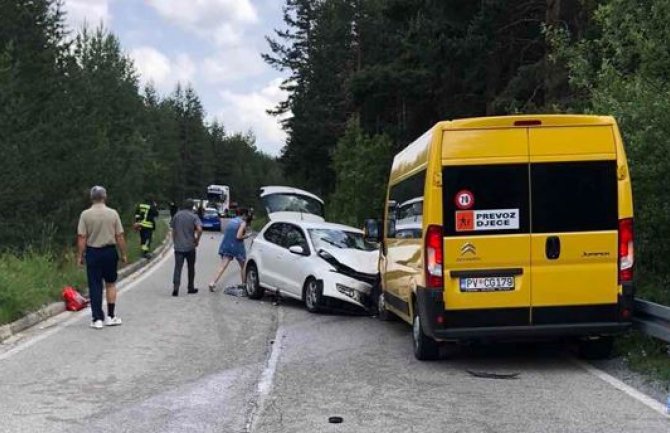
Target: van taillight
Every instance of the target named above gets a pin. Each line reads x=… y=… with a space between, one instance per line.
x=626 y=250
x=434 y=256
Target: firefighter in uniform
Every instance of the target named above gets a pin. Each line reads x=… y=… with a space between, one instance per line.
x=145 y=222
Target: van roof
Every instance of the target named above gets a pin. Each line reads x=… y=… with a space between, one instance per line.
x=414 y=157
x=511 y=121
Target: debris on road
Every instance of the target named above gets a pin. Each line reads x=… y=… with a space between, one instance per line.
x=238 y=291
x=74 y=301
x=335 y=420
x=487 y=375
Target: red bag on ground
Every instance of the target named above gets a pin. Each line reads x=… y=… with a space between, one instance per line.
x=74 y=301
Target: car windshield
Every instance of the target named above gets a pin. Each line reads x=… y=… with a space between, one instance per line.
x=328 y=238
x=292 y=203
x=211 y=213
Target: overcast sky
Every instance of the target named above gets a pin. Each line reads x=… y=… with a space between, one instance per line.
x=213 y=44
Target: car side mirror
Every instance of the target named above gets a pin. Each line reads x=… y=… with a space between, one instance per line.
x=372 y=229
x=297 y=249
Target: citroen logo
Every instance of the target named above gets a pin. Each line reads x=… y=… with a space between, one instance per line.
x=468 y=248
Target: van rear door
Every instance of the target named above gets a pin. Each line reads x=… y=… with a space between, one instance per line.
x=486 y=227
x=574 y=221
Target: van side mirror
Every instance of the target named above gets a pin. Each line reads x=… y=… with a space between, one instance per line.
x=373 y=230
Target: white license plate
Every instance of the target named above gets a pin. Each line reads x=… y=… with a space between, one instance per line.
x=487 y=284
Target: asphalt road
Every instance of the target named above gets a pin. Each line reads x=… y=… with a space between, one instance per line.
x=217 y=363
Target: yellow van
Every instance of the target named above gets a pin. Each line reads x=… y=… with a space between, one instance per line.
x=510 y=227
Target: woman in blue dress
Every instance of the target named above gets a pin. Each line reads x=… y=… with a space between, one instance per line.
x=232 y=245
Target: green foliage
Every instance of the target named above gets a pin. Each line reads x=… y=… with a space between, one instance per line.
x=317 y=52
x=32 y=280
x=72 y=116
x=361 y=164
x=258 y=223
x=622 y=69
x=645 y=355
x=400 y=66
x=133 y=240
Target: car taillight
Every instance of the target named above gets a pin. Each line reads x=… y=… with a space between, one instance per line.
x=626 y=250
x=434 y=256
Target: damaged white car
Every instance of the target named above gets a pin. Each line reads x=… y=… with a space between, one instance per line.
x=327 y=266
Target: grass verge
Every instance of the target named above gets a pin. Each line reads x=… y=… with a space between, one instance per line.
x=133 y=240
x=645 y=355
x=33 y=280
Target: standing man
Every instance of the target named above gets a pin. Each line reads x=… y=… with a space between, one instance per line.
x=145 y=221
x=98 y=234
x=186 y=232
x=173 y=209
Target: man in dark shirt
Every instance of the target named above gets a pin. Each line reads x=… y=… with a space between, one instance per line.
x=186 y=232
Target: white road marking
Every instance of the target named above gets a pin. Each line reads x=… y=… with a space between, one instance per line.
x=623 y=387
x=124 y=286
x=266 y=381
x=265 y=384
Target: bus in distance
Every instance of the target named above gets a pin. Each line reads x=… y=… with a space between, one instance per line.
x=218 y=196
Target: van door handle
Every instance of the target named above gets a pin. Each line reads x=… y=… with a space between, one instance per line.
x=553 y=247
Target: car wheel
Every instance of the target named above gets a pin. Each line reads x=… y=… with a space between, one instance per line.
x=312 y=296
x=425 y=348
x=254 y=289
x=599 y=348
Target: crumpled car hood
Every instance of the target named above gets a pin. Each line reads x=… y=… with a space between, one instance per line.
x=358 y=264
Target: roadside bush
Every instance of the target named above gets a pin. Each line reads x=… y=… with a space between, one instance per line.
x=362 y=164
x=32 y=280
x=622 y=70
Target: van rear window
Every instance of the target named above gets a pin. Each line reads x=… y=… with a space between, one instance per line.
x=485 y=199
x=574 y=196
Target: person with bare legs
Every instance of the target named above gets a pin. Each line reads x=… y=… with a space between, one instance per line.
x=232 y=246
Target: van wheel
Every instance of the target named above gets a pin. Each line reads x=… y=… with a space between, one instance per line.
x=382 y=313
x=312 y=296
x=253 y=285
x=599 y=348
x=425 y=348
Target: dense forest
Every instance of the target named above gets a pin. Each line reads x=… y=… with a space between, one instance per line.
x=381 y=72
x=72 y=115
x=366 y=77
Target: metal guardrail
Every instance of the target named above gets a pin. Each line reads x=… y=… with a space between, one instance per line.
x=652 y=319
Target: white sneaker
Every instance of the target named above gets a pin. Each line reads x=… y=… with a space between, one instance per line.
x=113 y=321
x=97 y=324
